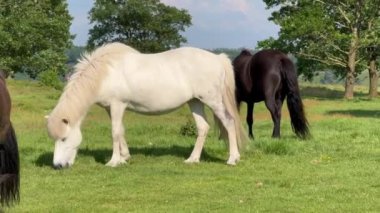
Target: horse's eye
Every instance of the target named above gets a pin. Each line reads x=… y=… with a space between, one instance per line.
x=63 y=139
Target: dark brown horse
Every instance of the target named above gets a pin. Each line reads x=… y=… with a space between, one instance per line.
x=270 y=76
x=9 y=156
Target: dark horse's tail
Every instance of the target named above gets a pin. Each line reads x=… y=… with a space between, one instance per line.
x=299 y=122
x=9 y=168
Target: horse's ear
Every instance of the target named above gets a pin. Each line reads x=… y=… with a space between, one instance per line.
x=245 y=52
x=64 y=120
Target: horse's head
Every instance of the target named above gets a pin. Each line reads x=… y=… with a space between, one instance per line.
x=67 y=138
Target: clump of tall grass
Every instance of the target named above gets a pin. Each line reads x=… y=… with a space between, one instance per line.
x=189 y=129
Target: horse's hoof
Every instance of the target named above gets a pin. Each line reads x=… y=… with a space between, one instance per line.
x=233 y=160
x=60 y=166
x=192 y=160
x=231 y=163
x=112 y=163
x=126 y=157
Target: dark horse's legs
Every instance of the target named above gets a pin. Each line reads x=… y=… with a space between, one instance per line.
x=274 y=106
x=250 y=106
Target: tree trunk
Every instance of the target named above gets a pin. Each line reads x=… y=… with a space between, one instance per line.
x=351 y=64
x=349 y=85
x=373 y=77
x=350 y=75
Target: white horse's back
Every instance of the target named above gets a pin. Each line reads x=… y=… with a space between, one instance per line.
x=156 y=83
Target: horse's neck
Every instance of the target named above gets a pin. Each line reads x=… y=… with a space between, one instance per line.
x=2 y=75
x=74 y=112
x=4 y=127
x=5 y=108
x=2 y=79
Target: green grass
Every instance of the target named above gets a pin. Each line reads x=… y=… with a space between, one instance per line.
x=337 y=170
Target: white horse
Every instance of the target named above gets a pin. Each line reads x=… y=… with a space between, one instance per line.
x=118 y=77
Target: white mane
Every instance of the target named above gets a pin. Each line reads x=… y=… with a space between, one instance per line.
x=79 y=92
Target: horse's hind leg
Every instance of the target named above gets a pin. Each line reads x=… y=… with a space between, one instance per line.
x=197 y=109
x=228 y=122
x=120 y=149
x=249 y=119
x=279 y=102
x=274 y=106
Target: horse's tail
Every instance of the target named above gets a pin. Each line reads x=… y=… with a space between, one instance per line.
x=9 y=169
x=298 y=119
x=229 y=101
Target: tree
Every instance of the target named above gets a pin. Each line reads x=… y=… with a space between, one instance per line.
x=146 y=25
x=371 y=48
x=374 y=53
x=34 y=35
x=74 y=53
x=325 y=33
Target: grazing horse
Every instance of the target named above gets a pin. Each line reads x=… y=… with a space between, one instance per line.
x=118 y=77
x=270 y=76
x=9 y=156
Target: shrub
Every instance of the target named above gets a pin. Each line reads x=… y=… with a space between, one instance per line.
x=188 y=129
x=50 y=78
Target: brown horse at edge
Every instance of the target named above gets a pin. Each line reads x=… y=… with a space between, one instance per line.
x=9 y=156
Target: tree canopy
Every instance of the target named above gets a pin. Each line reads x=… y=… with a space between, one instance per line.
x=147 y=25
x=34 y=35
x=326 y=33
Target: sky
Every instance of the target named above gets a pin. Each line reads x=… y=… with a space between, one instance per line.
x=215 y=23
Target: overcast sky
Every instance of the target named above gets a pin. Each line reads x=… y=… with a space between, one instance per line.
x=215 y=23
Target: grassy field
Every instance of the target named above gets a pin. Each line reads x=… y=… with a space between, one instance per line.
x=338 y=170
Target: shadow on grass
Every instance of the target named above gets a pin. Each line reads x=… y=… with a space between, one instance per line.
x=175 y=150
x=356 y=113
x=324 y=93
x=45 y=159
x=101 y=155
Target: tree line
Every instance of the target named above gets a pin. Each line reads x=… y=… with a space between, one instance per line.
x=338 y=35
x=35 y=34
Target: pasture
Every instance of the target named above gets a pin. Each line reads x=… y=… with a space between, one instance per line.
x=337 y=170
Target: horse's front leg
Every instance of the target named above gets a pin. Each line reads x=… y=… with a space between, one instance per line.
x=120 y=152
